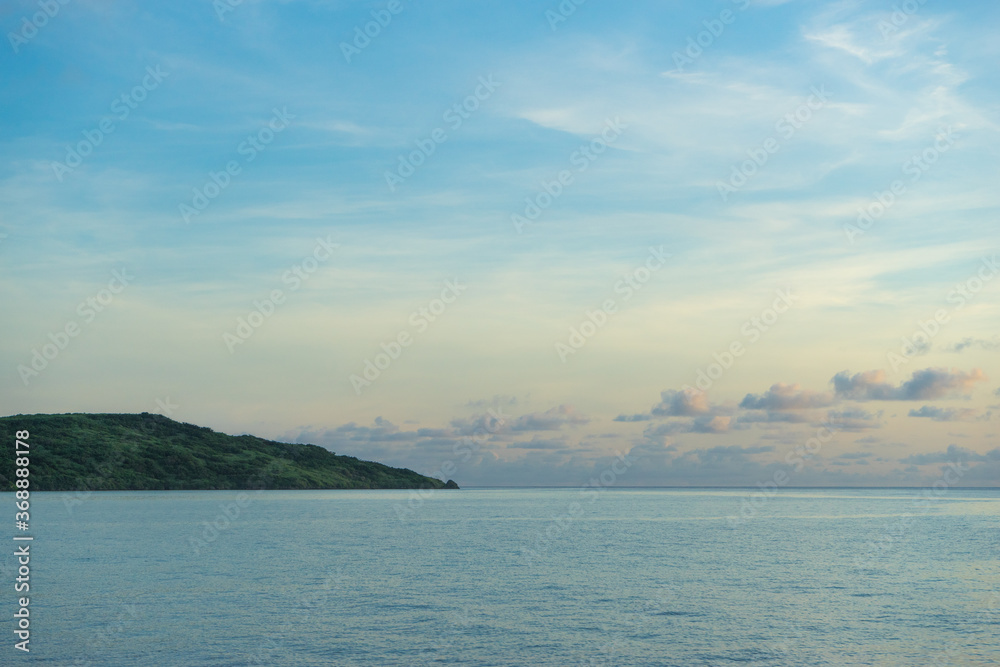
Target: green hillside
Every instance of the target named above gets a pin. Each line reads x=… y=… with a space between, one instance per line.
x=113 y=452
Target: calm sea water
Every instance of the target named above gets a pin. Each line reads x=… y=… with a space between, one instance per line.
x=512 y=577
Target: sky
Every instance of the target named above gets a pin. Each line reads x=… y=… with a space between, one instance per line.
x=746 y=242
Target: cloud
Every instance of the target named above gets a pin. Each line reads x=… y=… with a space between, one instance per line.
x=537 y=443
x=685 y=403
x=742 y=467
x=786 y=397
x=636 y=418
x=854 y=419
x=855 y=455
x=969 y=343
x=497 y=401
x=926 y=384
x=705 y=424
x=716 y=424
x=727 y=453
x=840 y=37
x=856 y=38
x=422 y=449
x=948 y=414
x=495 y=421
x=954 y=453
x=550 y=420
x=772 y=417
x=475 y=445
x=382 y=430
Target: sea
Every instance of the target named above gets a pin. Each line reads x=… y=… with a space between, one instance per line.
x=505 y=577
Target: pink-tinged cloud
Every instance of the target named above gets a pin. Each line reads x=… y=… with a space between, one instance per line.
x=684 y=403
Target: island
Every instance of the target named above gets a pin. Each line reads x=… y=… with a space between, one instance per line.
x=150 y=452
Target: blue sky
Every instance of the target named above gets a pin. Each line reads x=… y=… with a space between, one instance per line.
x=746 y=159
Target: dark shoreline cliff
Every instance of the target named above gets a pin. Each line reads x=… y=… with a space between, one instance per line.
x=147 y=452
